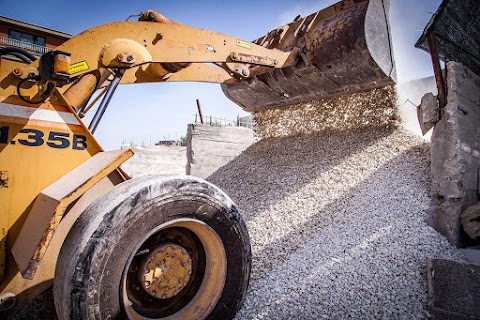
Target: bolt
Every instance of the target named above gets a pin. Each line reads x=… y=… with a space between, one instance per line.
x=130 y=58
x=245 y=72
x=152 y=16
x=120 y=56
x=3 y=177
x=235 y=56
x=17 y=72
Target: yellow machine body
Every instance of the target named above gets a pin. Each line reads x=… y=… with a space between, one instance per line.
x=39 y=145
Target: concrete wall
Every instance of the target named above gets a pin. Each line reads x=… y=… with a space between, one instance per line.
x=149 y=160
x=456 y=152
x=209 y=147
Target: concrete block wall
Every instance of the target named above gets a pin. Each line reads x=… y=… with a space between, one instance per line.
x=456 y=152
x=453 y=290
x=210 y=147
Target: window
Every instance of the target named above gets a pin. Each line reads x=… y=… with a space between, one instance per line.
x=26 y=41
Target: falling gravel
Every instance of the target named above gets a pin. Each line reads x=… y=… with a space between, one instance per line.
x=336 y=220
x=375 y=107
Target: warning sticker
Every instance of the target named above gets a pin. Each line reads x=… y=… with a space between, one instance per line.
x=78 y=67
x=243 y=44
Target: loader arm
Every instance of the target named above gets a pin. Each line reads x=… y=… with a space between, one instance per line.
x=156 y=49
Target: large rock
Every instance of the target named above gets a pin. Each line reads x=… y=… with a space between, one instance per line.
x=470 y=219
x=409 y=97
x=428 y=112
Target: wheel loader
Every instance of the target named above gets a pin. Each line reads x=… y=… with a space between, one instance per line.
x=156 y=247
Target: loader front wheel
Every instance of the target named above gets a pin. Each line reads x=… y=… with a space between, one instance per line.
x=155 y=248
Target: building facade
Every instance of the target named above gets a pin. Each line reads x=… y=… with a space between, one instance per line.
x=35 y=39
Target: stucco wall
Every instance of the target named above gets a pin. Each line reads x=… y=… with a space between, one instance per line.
x=210 y=147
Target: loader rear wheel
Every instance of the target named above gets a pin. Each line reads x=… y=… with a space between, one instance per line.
x=155 y=248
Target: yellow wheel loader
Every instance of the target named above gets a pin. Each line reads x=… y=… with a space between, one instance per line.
x=155 y=247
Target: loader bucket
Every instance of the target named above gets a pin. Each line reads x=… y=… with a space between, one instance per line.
x=343 y=49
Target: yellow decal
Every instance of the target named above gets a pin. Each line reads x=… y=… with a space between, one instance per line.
x=243 y=44
x=78 y=67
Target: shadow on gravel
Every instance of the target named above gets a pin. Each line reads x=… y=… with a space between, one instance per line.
x=292 y=165
x=41 y=308
x=360 y=254
x=382 y=197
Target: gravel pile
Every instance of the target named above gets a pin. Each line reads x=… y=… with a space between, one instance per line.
x=337 y=225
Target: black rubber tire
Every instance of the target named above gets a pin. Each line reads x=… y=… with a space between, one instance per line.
x=89 y=268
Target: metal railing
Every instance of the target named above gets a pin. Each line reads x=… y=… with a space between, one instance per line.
x=223 y=122
x=24 y=45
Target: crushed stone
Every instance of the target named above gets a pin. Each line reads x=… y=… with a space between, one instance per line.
x=375 y=107
x=337 y=224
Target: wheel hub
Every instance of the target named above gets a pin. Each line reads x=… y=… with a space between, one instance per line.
x=166 y=271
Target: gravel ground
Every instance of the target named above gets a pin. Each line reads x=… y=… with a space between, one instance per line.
x=337 y=225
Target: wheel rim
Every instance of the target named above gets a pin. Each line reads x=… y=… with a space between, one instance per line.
x=165 y=271
x=177 y=271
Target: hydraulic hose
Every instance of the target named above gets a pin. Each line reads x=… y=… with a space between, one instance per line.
x=27 y=56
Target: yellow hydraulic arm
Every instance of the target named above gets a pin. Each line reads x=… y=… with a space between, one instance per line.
x=156 y=49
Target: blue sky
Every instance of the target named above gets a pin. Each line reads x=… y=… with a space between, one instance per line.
x=150 y=112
